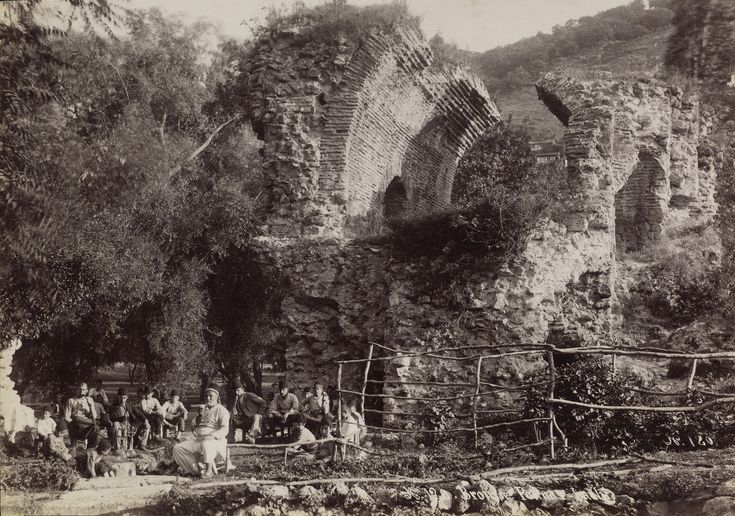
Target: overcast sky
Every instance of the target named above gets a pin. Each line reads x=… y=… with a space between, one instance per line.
x=471 y=24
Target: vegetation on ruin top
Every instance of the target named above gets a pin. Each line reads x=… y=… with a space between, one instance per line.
x=336 y=19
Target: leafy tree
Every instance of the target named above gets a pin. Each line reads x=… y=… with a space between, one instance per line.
x=245 y=298
x=702 y=45
x=143 y=194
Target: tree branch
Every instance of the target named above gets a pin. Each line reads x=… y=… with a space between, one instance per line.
x=203 y=146
x=119 y=76
x=161 y=129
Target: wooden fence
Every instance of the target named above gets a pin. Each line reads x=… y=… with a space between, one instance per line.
x=547 y=350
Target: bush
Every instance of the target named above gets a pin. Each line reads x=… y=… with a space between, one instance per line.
x=590 y=381
x=684 y=284
x=45 y=475
x=498 y=231
x=337 y=19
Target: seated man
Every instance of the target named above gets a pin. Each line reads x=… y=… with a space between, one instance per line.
x=304 y=446
x=120 y=418
x=210 y=438
x=153 y=412
x=139 y=426
x=174 y=414
x=284 y=407
x=98 y=394
x=315 y=409
x=80 y=416
x=247 y=413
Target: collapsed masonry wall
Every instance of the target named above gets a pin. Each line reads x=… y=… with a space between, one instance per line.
x=339 y=123
x=17 y=416
x=344 y=294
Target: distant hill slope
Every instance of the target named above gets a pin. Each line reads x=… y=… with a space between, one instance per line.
x=639 y=57
x=627 y=41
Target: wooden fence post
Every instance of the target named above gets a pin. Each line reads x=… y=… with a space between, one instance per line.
x=477 y=397
x=339 y=408
x=690 y=383
x=614 y=364
x=552 y=374
x=365 y=380
x=692 y=374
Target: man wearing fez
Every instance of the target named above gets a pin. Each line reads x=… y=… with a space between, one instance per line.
x=174 y=414
x=121 y=419
x=80 y=416
x=153 y=412
x=210 y=437
x=284 y=407
x=247 y=413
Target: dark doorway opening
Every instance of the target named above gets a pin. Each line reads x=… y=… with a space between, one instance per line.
x=395 y=202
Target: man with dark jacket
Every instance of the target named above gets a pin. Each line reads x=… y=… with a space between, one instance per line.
x=139 y=425
x=121 y=421
x=247 y=414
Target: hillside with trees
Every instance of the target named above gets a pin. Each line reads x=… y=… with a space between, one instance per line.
x=626 y=41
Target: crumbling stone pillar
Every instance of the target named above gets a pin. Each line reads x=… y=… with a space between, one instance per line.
x=17 y=416
x=631 y=150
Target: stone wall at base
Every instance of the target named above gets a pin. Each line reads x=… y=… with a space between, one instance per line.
x=344 y=294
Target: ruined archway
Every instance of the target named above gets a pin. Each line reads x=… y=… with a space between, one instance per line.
x=339 y=124
x=640 y=206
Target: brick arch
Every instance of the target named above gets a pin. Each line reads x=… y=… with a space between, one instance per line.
x=338 y=126
x=404 y=118
x=641 y=204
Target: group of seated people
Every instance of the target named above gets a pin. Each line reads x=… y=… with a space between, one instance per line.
x=131 y=424
x=214 y=425
x=127 y=424
x=281 y=413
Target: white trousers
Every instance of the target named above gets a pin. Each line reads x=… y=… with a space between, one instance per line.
x=188 y=454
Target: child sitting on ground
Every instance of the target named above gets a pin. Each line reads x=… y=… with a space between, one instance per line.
x=45 y=427
x=304 y=447
x=97 y=459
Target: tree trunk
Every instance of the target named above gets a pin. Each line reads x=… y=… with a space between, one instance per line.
x=258 y=377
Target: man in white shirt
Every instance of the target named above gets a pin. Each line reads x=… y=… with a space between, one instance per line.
x=153 y=412
x=174 y=414
x=210 y=438
x=79 y=415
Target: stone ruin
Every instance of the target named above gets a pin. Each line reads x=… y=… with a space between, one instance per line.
x=352 y=135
